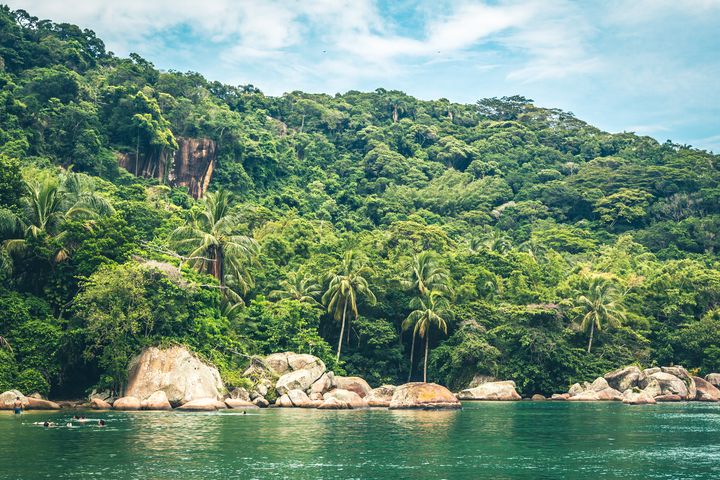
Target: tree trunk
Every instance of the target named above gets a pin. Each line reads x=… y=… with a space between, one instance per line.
x=592 y=331
x=137 y=152
x=412 y=353
x=342 y=331
x=427 y=342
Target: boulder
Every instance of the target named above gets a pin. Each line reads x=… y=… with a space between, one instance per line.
x=304 y=361
x=261 y=402
x=685 y=376
x=259 y=370
x=127 y=403
x=278 y=362
x=706 y=391
x=560 y=397
x=479 y=379
x=315 y=396
x=669 y=398
x=156 y=401
x=40 y=404
x=605 y=395
x=667 y=383
x=637 y=397
x=350 y=398
x=354 y=384
x=502 y=391
x=7 y=399
x=261 y=389
x=239 y=404
x=651 y=387
x=381 y=396
x=99 y=404
x=220 y=405
x=200 y=405
x=333 y=403
x=298 y=398
x=105 y=395
x=300 y=379
x=598 y=385
x=538 y=398
x=177 y=372
x=428 y=396
x=575 y=388
x=649 y=371
x=240 y=394
x=313 y=404
x=624 y=378
x=324 y=384
x=714 y=379
x=283 y=401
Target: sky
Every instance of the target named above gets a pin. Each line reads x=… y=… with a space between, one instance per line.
x=646 y=66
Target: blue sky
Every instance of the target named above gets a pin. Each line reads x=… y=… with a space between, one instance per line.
x=648 y=66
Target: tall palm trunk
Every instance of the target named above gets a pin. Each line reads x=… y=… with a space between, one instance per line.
x=592 y=331
x=342 y=330
x=427 y=341
x=412 y=354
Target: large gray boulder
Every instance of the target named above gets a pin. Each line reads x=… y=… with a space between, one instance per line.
x=348 y=397
x=426 y=396
x=278 y=362
x=202 y=405
x=498 y=391
x=298 y=398
x=598 y=385
x=323 y=384
x=381 y=396
x=662 y=383
x=637 y=397
x=156 y=401
x=354 y=384
x=624 y=378
x=706 y=391
x=479 y=379
x=127 y=403
x=605 y=395
x=299 y=379
x=177 y=372
x=685 y=376
x=714 y=379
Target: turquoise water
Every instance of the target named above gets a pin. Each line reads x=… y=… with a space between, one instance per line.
x=523 y=440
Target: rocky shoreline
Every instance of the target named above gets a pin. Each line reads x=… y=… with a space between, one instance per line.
x=175 y=379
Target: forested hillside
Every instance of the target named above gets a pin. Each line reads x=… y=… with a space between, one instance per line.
x=507 y=239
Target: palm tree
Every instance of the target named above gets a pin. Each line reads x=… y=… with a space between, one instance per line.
x=213 y=246
x=426 y=274
x=295 y=287
x=345 y=286
x=431 y=309
x=600 y=307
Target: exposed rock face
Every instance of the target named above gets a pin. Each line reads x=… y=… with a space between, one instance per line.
x=283 y=401
x=298 y=398
x=706 y=391
x=239 y=404
x=261 y=402
x=479 y=379
x=604 y=395
x=278 y=362
x=624 y=378
x=538 y=398
x=99 y=404
x=381 y=396
x=418 y=395
x=354 y=384
x=201 y=405
x=301 y=379
x=7 y=399
x=575 y=389
x=348 y=397
x=598 y=385
x=683 y=375
x=669 y=398
x=127 y=403
x=40 y=404
x=191 y=166
x=667 y=383
x=714 y=379
x=240 y=394
x=156 y=401
x=324 y=384
x=175 y=371
x=640 y=397
x=499 y=391
x=560 y=396
x=333 y=403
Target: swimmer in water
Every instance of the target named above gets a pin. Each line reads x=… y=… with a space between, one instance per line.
x=17 y=405
x=101 y=423
x=46 y=424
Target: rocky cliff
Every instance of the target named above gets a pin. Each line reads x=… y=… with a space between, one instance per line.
x=191 y=166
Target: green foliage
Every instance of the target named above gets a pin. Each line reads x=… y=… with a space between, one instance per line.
x=30 y=381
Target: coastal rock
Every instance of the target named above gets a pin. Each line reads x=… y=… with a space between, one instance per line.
x=560 y=397
x=538 y=398
x=278 y=362
x=105 y=395
x=99 y=404
x=177 y=372
x=283 y=401
x=499 y=391
x=298 y=398
x=714 y=379
x=381 y=396
x=200 y=405
x=669 y=398
x=479 y=379
x=305 y=361
x=667 y=384
x=350 y=398
x=40 y=404
x=300 y=379
x=354 y=384
x=156 y=401
x=7 y=399
x=706 y=391
x=240 y=394
x=649 y=371
x=239 y=404
x=639 y=397
x=605 y=395
x=127 y=403
x=685 y=376
x=624 y=378
x=429 y=396
x=333 y=403
x=261 y=402
x=575 y=389
x=259 y=370
x=315 y=396
x=324 y=384
x=598 y=385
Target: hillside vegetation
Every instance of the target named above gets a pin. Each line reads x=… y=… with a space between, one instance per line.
x=504 y=238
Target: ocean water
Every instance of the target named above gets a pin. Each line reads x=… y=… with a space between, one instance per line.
x=493 y=440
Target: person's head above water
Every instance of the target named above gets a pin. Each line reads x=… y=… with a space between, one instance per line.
x=101 y=423
x=46 y=424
